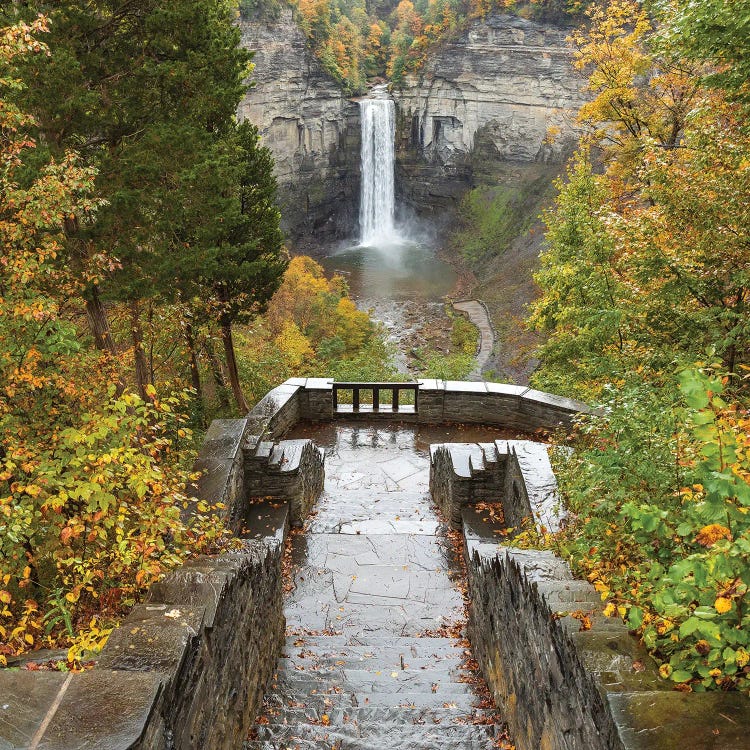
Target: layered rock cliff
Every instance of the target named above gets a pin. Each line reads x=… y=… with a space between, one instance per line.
x=488 y=100
x=482 y=109
x=309 y=125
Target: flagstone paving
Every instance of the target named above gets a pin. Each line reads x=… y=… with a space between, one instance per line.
x=373 y=657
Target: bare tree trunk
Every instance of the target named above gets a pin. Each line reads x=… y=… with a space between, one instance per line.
x=151 y=339
x=234 y=376
x=98 y=323
x=139 y=355
x=218 y=374
x=195 y=375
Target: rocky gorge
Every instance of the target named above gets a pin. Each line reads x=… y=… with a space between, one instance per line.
x=498 y=99
x=310 y=126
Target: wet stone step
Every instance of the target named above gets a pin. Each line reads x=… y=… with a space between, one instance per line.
x=352 y=645
x=383 y=715
x=296 y=699
x=379 y=523
x=378 y=735
x=355 y=681
x=372 y=662
x=400 y=741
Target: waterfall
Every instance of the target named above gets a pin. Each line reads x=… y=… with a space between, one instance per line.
x=376 y=200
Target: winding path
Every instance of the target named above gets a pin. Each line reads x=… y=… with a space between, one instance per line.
x=478 y=315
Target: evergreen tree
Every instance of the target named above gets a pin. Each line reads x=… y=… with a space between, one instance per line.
x=144 y=90
x=241 y=255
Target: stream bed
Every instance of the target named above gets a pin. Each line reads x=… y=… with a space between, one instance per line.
x=403 y=285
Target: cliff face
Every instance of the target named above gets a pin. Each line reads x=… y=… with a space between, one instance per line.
x=485 y=101
x=480 y=111
x=309 y=125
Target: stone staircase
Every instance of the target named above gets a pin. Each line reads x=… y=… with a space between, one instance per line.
x=394 y=692
x=375 y=656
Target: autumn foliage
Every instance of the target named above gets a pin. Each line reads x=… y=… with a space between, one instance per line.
x=393 y=39
x=91 y=475
x=645 y=293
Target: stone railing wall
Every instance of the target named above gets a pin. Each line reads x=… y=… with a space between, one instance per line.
x=187 y=669
x=530 y=663
x=289 y=470
x=516 y=473
x=562 y=684
x=213 y=630
x=440 y=401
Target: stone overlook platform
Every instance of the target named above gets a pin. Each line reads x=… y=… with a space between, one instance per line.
x=367 y=610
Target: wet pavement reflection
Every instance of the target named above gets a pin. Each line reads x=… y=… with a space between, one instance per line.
x=374 y=558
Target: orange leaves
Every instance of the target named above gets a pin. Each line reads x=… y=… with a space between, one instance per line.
x=722 y=605
x=709 y=535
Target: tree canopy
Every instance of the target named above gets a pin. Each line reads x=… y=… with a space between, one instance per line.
x=645 y=293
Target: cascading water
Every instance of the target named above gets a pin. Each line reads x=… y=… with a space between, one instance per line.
x=377 y=196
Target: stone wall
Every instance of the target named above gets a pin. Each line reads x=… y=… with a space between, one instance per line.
x=516 y=473
x=187 y=669
x=290 y=470
x=530 y=663
x=213 y=628
x=564 y=686
x=515 y=407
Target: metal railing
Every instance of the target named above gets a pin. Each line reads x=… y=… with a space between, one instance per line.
x=392 y=403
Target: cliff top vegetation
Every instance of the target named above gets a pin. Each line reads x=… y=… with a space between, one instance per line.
x=360 y=40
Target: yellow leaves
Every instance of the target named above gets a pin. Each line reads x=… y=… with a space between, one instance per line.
x=664 y=671
x=5 y=597
x=722 y=605
x=293 y=343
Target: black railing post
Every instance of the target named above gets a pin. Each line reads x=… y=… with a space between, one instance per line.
x=376 y=388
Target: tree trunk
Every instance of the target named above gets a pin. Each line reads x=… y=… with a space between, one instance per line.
x=139 y=355
x=218 y=374
x=98 y=323
x=195 y=375
x=234 y=376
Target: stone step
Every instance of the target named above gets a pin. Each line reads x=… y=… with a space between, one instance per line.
x=598 y=621
x=385 y=715
x=370 y=661
x=295 y=699
x=391 y=522
x=380 y=735
x=379 y=681
x=352 y=645
x=266 y=519
x=400 y=741
x=286 y=455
